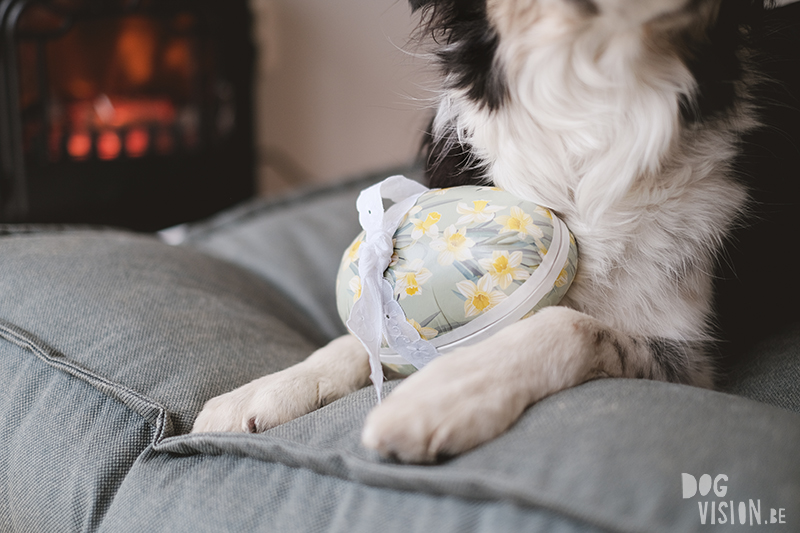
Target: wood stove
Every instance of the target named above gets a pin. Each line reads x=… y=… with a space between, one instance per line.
x=134 y=113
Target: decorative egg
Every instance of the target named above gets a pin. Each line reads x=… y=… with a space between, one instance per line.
x=467 y=262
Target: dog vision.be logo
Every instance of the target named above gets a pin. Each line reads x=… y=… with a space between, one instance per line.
x=715 y=510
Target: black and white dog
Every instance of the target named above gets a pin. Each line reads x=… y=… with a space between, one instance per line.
x=625 y=117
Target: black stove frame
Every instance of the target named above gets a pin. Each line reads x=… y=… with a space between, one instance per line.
x=140 y=193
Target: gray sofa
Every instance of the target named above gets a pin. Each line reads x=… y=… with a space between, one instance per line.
x=110 y=342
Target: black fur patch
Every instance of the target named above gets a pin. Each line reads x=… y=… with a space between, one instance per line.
x=451 y=163
x=670 y=357
x=467 y=47
x=603 y=336
x=715 y=61
x=622 y=354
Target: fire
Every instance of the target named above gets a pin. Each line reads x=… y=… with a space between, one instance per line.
x=135 y=50
x=118 y=86
x=121 y=123
x=108 y=145
x=79 y=146
x=117 y=112
x=136 y=142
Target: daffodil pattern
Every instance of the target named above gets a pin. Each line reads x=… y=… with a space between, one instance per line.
x=480 y=211
x=459 y=254
x=351 y=254
x=409 y=279
x=480 y=297
x=355 y=287
x=426 y=227
x=521 y=223
x=454 y=245
x=425 y=333
x=505 y=268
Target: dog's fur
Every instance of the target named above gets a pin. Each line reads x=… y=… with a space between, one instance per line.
x=624 y=117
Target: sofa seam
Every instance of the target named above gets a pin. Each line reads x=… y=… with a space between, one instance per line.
x=158 y=420
x=26 y=229
x=495 y=492
x=158 y=415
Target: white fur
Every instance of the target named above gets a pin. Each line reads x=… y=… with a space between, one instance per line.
x=331 y=372
x=590 y=128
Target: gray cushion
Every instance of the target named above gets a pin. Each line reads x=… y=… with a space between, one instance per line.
x=107 y=342
x=162 y=321
x=110 y=343
x=607 y=455
x=65 y=447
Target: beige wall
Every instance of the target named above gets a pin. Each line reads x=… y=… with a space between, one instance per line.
x=336 y=95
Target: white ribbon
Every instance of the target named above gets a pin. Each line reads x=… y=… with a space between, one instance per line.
x=376 y=315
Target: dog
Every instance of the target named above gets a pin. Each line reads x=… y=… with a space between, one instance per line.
x=624 y=117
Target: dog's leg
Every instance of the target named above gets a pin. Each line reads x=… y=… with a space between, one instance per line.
x=471 y=395
x=328 y=374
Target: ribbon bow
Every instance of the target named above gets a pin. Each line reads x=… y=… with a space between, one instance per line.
x=376 y=315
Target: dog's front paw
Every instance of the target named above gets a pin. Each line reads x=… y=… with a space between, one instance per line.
x=261 y=404
x=328 y=374
x=443 y=410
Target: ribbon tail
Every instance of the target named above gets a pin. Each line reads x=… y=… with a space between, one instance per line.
x=369 y=314
x=365 y=323
x=376 y=374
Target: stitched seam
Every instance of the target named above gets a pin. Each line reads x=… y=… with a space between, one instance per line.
x=17 y=230
x=364 y=472
x=152 y=412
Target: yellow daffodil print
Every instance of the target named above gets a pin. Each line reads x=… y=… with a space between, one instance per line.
x=543 y=211
x=425 y=333
x=542 y=249
x=351 y=254
x=426 y=227
x=480 y=297
x=454 y=245
x=521 y=223
x=409 y=279
x=504 y=267
x=563 y=278
x=355 y=287
x=479 y=213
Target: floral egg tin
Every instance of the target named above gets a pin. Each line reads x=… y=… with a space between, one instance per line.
x=467 y=262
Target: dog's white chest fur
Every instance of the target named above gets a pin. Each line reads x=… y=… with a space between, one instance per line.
x=590 y=128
